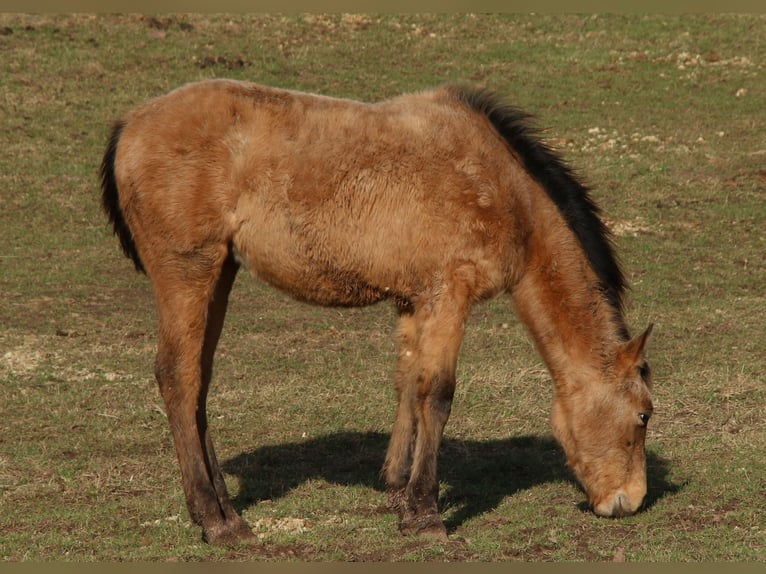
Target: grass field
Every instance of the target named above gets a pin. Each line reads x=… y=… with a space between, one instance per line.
x=663 y=116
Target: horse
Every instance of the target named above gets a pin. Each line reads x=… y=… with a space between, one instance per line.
x=436 y=201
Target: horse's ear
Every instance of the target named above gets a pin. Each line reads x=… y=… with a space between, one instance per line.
x=634 y=352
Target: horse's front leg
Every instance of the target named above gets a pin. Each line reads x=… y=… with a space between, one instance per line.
x=398 y=466
x=438 y=327
x=418 y=501
x=191 y=319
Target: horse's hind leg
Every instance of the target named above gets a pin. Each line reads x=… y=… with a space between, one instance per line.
x=192 y=306
x=425 y=401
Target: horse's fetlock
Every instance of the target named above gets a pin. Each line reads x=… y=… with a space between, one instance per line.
x=397 y=500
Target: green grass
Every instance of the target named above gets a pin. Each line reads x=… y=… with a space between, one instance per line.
x=662 y=115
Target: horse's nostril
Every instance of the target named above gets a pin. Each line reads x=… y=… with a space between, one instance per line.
x=621 y=507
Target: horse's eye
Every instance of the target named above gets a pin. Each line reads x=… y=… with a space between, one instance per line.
x=644 y=418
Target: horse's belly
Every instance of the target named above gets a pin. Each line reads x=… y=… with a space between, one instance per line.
x=333 y=256
x=274 y=255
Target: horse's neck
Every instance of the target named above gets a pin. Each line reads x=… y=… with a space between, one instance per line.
x=574 y=327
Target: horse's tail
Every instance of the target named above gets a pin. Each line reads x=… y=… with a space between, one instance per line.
x=110 y=199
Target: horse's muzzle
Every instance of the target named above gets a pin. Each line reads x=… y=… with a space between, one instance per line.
x=617 y=506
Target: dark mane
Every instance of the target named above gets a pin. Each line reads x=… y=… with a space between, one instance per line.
x=561 y=184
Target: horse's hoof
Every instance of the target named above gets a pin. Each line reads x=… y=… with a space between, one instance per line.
x=436 y=532
x=228 y=533
x=428 y=526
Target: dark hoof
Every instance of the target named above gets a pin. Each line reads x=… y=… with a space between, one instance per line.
x=428 y=526
x=228 y=533
x=435 y=532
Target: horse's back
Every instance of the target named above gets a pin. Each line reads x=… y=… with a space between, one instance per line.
x=355 y=202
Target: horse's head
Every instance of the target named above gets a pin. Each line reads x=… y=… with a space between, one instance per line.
x=602 y=427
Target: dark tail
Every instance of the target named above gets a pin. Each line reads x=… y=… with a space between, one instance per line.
x=110 y=199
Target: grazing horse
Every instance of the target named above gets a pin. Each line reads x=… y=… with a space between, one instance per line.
x=436 y=201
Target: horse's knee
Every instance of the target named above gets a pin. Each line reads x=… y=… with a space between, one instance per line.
x=436 y=393
x=443 y=395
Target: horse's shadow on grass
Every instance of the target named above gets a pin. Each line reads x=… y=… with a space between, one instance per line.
x=480 y=474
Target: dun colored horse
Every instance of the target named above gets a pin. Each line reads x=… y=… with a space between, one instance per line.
x=435 y=200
